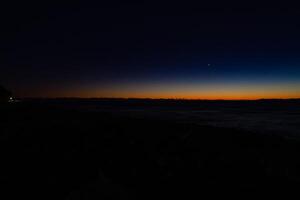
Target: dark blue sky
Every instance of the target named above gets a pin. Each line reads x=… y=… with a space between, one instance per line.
x=150 y=49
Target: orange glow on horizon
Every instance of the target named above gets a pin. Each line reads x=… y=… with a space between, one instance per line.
x=208 y=92
x=191 y=96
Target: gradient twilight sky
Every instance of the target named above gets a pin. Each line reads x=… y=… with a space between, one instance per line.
x=153 y=49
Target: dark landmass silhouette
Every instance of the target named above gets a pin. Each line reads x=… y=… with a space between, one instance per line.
x=148 y=149
x=4 y=94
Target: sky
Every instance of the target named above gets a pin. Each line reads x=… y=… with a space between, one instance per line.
x=150 y=49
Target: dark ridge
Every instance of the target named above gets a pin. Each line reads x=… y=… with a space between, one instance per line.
x=4 y=94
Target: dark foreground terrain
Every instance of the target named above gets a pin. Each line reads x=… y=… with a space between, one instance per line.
x=52 y=150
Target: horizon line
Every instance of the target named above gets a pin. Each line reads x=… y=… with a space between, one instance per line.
x=149 y=98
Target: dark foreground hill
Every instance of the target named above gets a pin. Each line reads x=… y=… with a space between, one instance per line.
x=4 y=94
x=53 y=153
